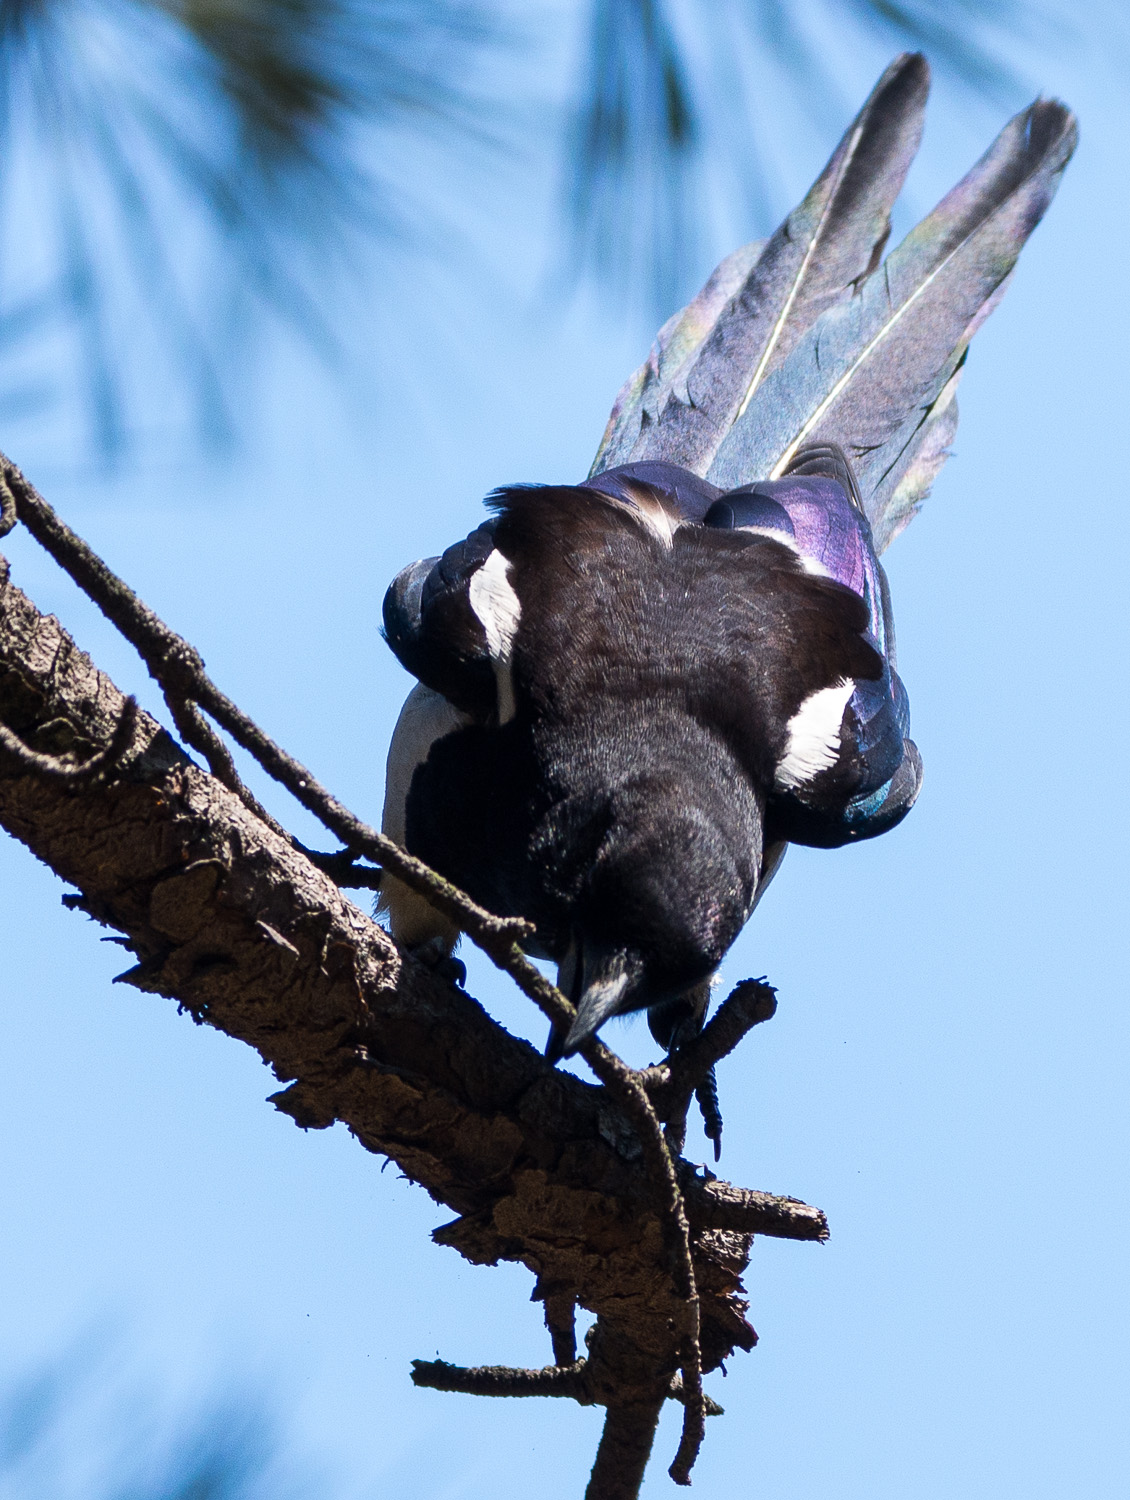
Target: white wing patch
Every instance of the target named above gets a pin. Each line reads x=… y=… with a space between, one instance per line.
x=813 y=743
x=499 y=611
x=495 y=603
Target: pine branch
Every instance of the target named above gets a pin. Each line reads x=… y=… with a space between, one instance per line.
x=228 y=915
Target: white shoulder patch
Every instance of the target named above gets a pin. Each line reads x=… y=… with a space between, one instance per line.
x=813 y=743
x=499 y=611
x=495 y=603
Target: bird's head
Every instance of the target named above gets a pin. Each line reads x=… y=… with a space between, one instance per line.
x=666 y=896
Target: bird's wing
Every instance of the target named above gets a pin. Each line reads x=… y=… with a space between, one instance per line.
x=712 y=357
x=825 y=343
x=865 y=786
x=821 y=518
x=450 y=622
x=690 y=496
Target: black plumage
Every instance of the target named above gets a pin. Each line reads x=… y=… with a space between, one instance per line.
x=636 y=691
x=612 y=785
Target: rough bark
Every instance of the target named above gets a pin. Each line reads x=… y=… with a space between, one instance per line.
x=228 y=919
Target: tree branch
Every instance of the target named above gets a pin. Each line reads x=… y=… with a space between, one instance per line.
x=676 y=1232
x=714 y=1204
x=625 y=1447
x=571 y=1381
x=226 y=914
x=504 y=1380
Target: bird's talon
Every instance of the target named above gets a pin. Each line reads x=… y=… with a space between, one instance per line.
x=707 y=1095
x=434 y=955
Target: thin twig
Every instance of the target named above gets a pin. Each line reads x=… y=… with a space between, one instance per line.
x=179 y=670
x=625 y=1082
x=709 y=1405
x=199 y=735
x=694 y=1415
x=104 y=763
x=748 y=1004
x=671 y=1084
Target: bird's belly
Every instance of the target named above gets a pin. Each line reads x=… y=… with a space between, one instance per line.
x=425 y=718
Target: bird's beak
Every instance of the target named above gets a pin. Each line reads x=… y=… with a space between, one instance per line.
x=609 y=980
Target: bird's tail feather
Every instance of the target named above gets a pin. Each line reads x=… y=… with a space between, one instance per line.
x=823 y=343
x=711 y=357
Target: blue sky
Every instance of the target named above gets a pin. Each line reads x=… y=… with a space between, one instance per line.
x=946 y=1074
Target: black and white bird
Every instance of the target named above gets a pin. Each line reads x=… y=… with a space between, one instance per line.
x=634 y=692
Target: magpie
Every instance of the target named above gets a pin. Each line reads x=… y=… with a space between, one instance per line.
x=635 y=691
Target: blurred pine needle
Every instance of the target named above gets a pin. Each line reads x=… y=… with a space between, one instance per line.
x=77 y=1429
x=165 y=143
x=671 y=84
x=169 y=168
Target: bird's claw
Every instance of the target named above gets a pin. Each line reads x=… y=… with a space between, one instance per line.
x=434 y=955
x=707 y=1095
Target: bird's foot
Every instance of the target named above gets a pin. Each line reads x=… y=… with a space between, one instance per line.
x=435 y=955
x=706 y=1092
